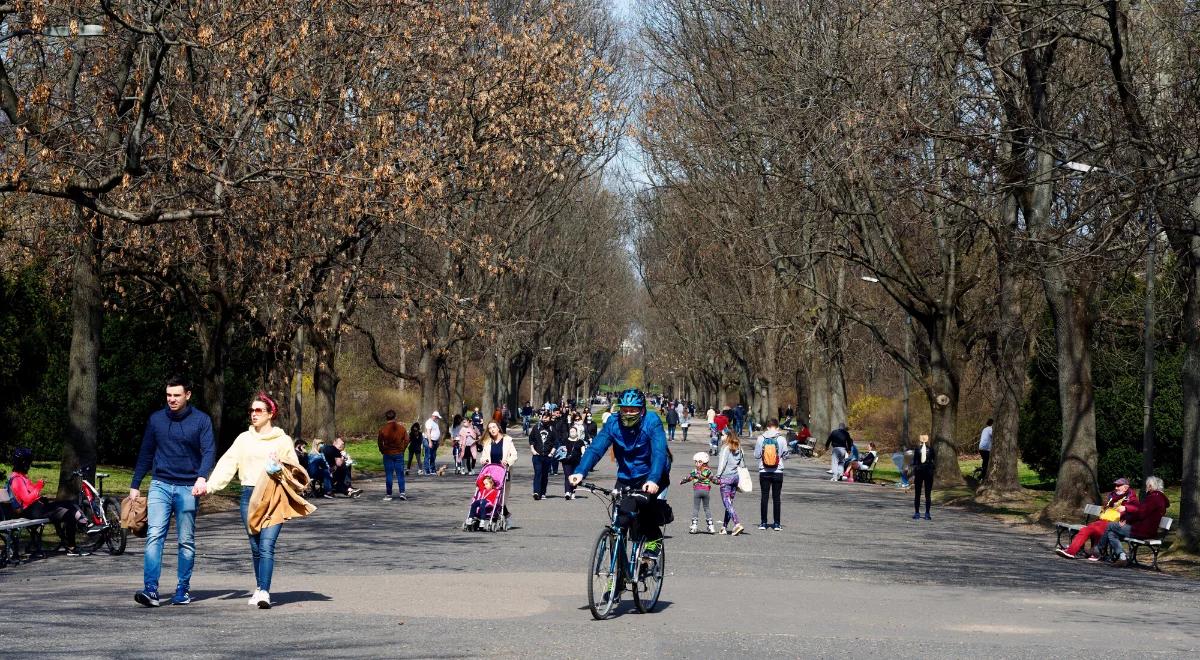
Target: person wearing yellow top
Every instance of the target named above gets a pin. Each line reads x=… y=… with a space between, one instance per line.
x=260 y=449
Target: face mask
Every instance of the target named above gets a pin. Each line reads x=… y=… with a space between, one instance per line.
x=630 y=420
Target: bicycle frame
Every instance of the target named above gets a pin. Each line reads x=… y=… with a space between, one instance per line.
x=622 y=564
x=90 y=499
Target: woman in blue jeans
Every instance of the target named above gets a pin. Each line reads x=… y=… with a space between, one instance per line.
x=259 y=450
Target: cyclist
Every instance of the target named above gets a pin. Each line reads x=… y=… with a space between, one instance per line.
x=640 y=447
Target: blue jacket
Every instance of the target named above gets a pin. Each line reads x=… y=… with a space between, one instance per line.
x=178 y=446
x=641 y=452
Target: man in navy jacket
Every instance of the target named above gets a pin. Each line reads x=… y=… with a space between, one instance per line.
x=179 y=453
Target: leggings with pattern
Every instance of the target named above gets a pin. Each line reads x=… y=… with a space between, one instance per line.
x=728 y=490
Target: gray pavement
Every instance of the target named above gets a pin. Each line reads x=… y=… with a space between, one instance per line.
x=850 y=574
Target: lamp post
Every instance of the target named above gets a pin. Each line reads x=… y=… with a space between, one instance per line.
x=1147 y=318
x=905 y=422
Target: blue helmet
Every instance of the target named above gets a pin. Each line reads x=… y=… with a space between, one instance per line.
x=632 y=397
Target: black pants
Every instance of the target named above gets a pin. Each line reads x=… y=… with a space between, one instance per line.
x=341 y=480
x=987 y=458
x=62 y=515
x=923 y=479
x=414 y=451
x=568 y=470
x=771 y=484
x=648 y=523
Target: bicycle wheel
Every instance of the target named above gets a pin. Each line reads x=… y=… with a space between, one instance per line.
x=604 y=576
x=648 y=586
x=114 y=534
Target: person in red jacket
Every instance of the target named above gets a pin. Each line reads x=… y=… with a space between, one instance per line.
x=1120 y=496
x=29 y=503
x=1138 y=519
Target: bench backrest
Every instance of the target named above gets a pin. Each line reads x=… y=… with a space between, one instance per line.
x=1164 y=525
x=1091 y=510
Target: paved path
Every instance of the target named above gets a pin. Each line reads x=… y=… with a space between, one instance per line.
x=850 y=573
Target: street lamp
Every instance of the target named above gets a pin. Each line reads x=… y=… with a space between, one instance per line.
x=905 y=423
x=1147 y=318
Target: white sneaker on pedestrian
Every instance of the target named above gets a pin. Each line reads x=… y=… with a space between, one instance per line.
x=387 y=498
x=264 y=603
x=711 y=530
x=257 y=596
x=693 y=528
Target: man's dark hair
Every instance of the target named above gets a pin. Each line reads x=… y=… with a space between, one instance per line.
x=179 y=380
x=989 y=421
x=389 y=415
x=772 y=423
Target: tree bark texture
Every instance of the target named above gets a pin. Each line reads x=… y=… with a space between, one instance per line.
x=84 y=361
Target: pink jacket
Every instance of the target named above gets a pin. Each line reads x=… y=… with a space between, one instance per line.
x=466 y=440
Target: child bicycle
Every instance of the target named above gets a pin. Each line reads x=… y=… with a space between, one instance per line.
x=618 y=560
x=103 y=515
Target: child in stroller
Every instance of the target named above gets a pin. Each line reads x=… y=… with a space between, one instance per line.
x=488 y=511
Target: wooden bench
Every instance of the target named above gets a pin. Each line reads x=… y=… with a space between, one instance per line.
x=1154 y=545
x=1090 y=513
x=10 y=537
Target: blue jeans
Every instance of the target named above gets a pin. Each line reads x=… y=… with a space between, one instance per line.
x=162 y=501
x=262 y=546
x=1112 y=538
x=525 y=424
x=394 y=464
x=431 y=458
x=670 y=432
x=541 y=474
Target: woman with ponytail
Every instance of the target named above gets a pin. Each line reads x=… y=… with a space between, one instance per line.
x=261 y=457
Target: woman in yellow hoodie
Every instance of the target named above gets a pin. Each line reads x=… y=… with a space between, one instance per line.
x=260 y=450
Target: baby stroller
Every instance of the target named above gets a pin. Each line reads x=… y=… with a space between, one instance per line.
x=494 y=515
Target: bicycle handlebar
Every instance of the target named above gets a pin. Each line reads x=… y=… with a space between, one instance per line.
x=626 y=491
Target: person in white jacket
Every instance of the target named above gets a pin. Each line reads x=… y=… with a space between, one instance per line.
x=259 y=450
x=432 y=436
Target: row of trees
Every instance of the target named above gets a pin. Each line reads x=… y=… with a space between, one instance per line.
x=424 y=173
x=938 y=174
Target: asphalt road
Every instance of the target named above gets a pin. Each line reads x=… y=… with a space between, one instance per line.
x=850 y=574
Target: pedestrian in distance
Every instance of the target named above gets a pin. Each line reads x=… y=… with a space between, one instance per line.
x=392 y=441
x=702 y=480
x=571 y=451
x=985 y=448
x=839 y=443
x=542 y=446
x=672 y=422
x=770 y=450
x=729 y=464
x=432 y=434
x=923 y=462
x=415 y=442
x=265 y=463
x=179 y=453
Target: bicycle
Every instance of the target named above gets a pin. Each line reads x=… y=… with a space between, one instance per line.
x=103 y=515
x=617 y=561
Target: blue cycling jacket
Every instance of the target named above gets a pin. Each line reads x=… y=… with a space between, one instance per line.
x=641 y=452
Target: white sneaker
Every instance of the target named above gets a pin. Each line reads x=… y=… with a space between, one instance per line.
x=264 y=603
x=387 y=498
x=710 y=528
x=693 y=528
x=833 y=478
x=254 y=599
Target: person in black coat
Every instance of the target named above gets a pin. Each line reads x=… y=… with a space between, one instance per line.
x=923 y=461
x=572 y=450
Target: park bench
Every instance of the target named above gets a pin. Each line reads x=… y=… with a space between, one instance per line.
x=866 y=474
x=1154 y=544
x=10 y=532
x=1090 y=513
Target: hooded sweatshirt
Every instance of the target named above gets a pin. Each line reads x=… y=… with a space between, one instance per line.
x=781 y=447
x=178 y=446
x=1143 y=517
x=247 y=457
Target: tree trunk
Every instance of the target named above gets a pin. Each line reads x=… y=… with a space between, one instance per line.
x=488 y=397
x=947 y=472
x=214 y=352
x=1072 y=333
x=1188 y=249
x=299 y=346
x=84 y=362
x=428 y=368
x=1010 y=359
x=818 y=402
x=325 y=384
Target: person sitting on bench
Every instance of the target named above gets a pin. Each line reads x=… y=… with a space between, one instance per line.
x=29 y=503
x=1120 y=496
x=1138 y=520
x=861 y=463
